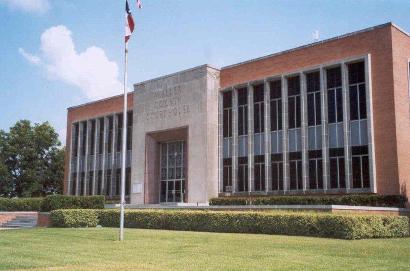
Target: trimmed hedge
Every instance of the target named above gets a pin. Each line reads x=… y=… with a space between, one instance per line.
x=74 y=218
x=20 y=204
x=355 y=200
x=55 y=202
x=302 y=224
x=52 y=202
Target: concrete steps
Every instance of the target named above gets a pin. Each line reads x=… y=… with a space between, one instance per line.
x=21 y=221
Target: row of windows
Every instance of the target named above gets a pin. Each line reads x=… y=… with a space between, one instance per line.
x=90 y=133
x=108 y=188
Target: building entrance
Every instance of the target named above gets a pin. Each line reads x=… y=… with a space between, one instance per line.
x=173 y=163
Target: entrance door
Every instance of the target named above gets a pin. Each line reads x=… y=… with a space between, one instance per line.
x=172 y=171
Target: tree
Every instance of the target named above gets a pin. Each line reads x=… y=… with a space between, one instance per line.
x=33 y=160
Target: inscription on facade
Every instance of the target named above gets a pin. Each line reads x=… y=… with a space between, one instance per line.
x=165 y=103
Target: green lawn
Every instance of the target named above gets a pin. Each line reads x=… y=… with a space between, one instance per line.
x=97 y=249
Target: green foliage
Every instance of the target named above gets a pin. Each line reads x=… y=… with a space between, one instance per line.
x=355 y=200
x=74 y=218
x=31 y=162
x=303 y=224
x=21 y=204
x=52 y=202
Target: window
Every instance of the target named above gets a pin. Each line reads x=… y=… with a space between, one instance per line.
x=314 y=111
x=227 y=124
x=110 y=133
x=315 y=170
x=99 y=182
x=242 y=174
x=337 y=168
x=294 y=114
x=92 y=139
x=357 y=101
x=90 y=183
x=227 y=175
x=101 y=137
x=276 y=115
x=84 y=138
x=360 y=167
x=129 y=130
x=258 y=108
x=335 y=107
x=119 y=132
x=127 y=181
x=295 y=169
x=75 y=140
x=73 y=183
x=242 y=122
x=277 y=172
x=107 y=187
x=294 y=102
x=259 y=178
x=82 y=180
x=118 y=182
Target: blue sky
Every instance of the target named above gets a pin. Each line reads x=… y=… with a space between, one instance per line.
x=60 y=53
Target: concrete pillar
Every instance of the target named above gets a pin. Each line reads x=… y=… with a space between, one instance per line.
x=346 y=126
x=234 y=139
x=220 y=140
x=96 y=133
x=80 y=133
x=104 y=158
x=325 y=133
x=251 y=165
x=370 y=136
x=113 y=154
x=285 y=139
x=304 y=132
x=268 y=175
x=70 y=169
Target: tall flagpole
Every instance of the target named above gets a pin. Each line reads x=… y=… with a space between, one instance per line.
x=124 y=144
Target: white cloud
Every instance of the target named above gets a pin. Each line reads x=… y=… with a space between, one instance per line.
x=33 y=59
x=32 y=6
x=90 y=70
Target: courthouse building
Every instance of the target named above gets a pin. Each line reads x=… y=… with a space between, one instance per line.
x=331 y=117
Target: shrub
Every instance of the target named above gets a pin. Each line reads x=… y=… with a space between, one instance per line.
x=74 y=218
x=344 y=226
x=20 y=204
x=55 y=202
x=355 y=200
x=52 y=202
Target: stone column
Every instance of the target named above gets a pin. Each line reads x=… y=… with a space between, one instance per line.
x=346 y=126
x=268 y=175
x=96 y=133
x=285 y=139
x=251 y=165
x=86 y=157
x=234 y=139
x=113 y=154
x=220 y=140
x=304 y=132
x=325 y=132
x=80 y=133
x=104 y=161
x=369 y=109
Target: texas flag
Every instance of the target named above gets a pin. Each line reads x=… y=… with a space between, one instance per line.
x=129 y=22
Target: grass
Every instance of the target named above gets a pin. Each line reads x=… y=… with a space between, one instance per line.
x=97 y=249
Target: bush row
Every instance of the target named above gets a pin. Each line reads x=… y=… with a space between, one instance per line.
x=52 y=202
x=355 y=200
x=303 y=224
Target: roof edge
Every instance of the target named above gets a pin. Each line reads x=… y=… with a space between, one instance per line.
x=98 y=101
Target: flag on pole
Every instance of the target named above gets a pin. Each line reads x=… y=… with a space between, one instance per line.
x=129 y=22
x=139 y=5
